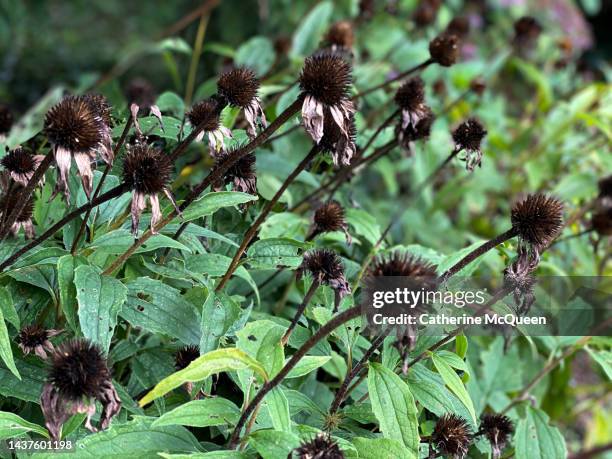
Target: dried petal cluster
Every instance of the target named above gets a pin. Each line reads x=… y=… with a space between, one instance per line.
x=141 y=97
x=468 y=137
x=326 y=268
x=206 y=115
x=320 y=447
x=452 y=436
x=78 y=376
x=147 y=171
x=36 y=339
x=239 y=87
x=497 y=428
x=21 y=165
x=338 y=142
x=241 y=174
x=329 y=217
x=538 y=219
x=8 y=201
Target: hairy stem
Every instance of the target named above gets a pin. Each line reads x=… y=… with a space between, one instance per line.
x=325 y=330
x=252 y=231
x=110 y=194
x=302 y=307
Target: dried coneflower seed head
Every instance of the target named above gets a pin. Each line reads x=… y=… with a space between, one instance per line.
x=340 y=34
x=100 y=106
x=78 y=369
x=242 y=174
x=73 y=125
x=6 y=119
x=140 y=92
x=401 y=264
x=326 y=77
x=239 y=86
x=605 y=187
x=320 y=447
x=469 y=134
x=185 y=355
x=452 y=435
x=420 y=130
x=19 y=161
x=426 y=12
x=411 y=95
x=527 y=29
x=146 y=169
x=34 y=338
x=329 y=217
x=498 y=429
x=459 y=26
x=538 y=219
x=326 y=268
x=9 y=201
x=444 y=49
x=206 y=112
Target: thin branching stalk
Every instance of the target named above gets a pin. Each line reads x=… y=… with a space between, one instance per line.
x=253 y=229
x=416 y=68
x=214 y=175
x=325 y=330
x=301 y=308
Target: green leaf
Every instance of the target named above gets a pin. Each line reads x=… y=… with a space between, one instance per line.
x=365 y=224
x=201 y=413
x=66 y=266
x=100 y=299
x=208 y=364
x=272 y=444
x=27 y=388
x=310 y=31
x=210 y=455
x=461 y=345
x=393 y=406
x=13 y=426
x=261 y=340
x=7 y=308
x=307 y=364
x=275 y=253
x=159 y=308
x=256 y=53
x=5 y=347
x=372 y=448
x=212 y=202
x=451 y=260
x=432 y=394
x=536 y=439
x=278 y=408
x=454 y=383
x=603 y=358
x=219 y=312
x=118 y=241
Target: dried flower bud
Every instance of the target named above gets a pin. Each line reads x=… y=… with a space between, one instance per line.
x=282 y=45
x=459 y=26
x=6 y=120
x=21 y=165
x=419 y=131
x=9 y=201
x=185 y=355
x=498 y=429
x=320 y=447
x=242 y=174
x=78 y=376
x=538 y=219
x=326 y=268
x=439 y=87
x=34 y=338
x=340 y=35
x=452 y=436
x=411 y=95
x=468 y=137
x=444 y=49
x=239 y=87
x=426 y=12
x=526 y=32
x=329 y=217
x=140 y=92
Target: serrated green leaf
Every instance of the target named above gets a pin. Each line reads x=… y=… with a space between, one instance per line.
x=118 y=241
x=272 y=444
x=381 y=448
x=7 y=308
x=310 y=31
x=13 y=426
x=454 y=383
x=6 y=353
x=278 y=408
x=212 y=202
x=201 y=413
x=537 y=439
x=275 y=253
x=307 y=364
x=219 y=312
x=66 y=266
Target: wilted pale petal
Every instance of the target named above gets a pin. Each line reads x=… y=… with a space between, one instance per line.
x=155 y=212
x=157 y=114
x=170 y=197
x=134 y=111
x=339 y=119
x=54 y=410
x=83 y=162
x=106 y=146
x=312 y=114
x=28 y=228
x=138 y=205
x=111 y=404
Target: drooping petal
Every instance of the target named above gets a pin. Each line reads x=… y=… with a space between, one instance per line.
x=83 y=162
x=54 y=410
x=312 y=115
x=111 y=404
x=170 y=197
x=28 y=228
x=138 y=205
x=106 y=146
x=155 y=212
x=134 y=110
x=157 y=114
x=63 y=159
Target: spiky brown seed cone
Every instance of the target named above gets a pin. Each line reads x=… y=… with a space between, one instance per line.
x=426 y=12
x=329 y=217
x=326 y=268
x=459 y=26
x=146 y=169
x=74 y=125
x=401 y=264
x=6 y=119
x=326 y=77
x=101 y=106
x=9 y=201
x=341 y=34
x=527 y=29
x=444 y=49
x=538 y=219
x=239 y=86
x=498 y=429
x=320 y=447
x=411 y=94
x=78 y=369
x=19 y=161
x=605 y=187
x=242 y=174
x=469 y=134
x=140 y=92
x=185 y=355
x=31 y=336
x=452 y=435
x=207 y=112
x=602 y=222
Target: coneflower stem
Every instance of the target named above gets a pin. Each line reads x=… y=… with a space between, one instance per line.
x=98 y=189
x=301 y=308
x=479 y=251
x=212 y=177
x=110 y=194
x=343 y=391
x=26 y=193
x=325 y=330
x=252 y=231
x=402 y=75
x=591 y=453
